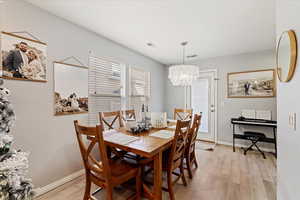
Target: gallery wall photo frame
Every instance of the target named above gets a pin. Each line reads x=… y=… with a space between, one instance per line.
x=23 y=58
x=70 y=88
x=251 y=84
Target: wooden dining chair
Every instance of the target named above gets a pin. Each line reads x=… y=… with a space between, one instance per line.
x=176 y=156
x=190 y=153
x=106 y=173
x=111 y=120
x=114 y=120
x=129 y=114
x=183 y=114
x=173 y=157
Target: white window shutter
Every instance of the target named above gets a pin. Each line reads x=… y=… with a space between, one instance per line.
x=106 y=86
x=139 y=83
x=139 y=88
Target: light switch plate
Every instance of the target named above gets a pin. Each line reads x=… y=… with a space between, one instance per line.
x=292 y=121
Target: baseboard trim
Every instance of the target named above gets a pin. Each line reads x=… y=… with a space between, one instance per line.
x=43 y=190
x=244 y=146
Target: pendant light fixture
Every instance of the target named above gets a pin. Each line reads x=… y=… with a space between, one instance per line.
x=183 y=75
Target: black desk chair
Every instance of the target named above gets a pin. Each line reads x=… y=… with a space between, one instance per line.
x=254 y=137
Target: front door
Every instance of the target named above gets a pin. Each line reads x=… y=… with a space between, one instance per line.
x=203 y=100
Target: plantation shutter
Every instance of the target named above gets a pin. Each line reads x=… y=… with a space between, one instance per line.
x=139 y=88
x=106 y=88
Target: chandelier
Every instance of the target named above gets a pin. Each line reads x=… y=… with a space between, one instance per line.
x=183 y=75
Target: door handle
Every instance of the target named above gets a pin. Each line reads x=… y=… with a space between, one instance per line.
x=212 y=108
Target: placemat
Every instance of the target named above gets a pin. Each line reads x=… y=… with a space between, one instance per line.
x=165 y=134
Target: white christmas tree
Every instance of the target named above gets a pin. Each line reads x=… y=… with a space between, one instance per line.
x=13 y=163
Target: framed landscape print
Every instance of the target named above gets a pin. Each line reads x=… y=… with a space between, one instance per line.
x=23 y=58
x=251 y=84
x=70 y=89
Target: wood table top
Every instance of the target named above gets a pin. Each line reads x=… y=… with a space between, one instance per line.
x=145 y=144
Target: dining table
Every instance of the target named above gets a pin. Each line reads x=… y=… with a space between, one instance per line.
x=148 y=144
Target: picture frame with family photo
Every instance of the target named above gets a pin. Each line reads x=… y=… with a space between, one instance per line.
x=70 y=89
x=251 y=84
x=23 y=58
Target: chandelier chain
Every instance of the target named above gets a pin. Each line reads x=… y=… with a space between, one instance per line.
x=183 y=59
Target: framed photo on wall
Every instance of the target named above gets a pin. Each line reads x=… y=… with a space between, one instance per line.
x=23 y=58
x=70 y=89
x=251 y=84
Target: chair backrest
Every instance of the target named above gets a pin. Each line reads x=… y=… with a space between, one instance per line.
x=128 y=114
x=179 y=142
x=183 y=114
x=192 y=136
x=91 y=164
x=108 y=120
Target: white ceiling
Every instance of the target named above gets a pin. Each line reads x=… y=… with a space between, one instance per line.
x=212 y=27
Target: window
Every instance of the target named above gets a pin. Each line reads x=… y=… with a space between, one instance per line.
x=106 y=86
x=139 y=88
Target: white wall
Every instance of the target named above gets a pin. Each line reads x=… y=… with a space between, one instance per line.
x=51 y=140
x=288 y=102
x=229 y=107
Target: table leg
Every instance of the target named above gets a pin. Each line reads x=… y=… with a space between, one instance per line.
x=158 y=176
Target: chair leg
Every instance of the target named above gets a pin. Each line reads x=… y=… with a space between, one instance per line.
x=170 y=185
x=109 y=193
x=189 y=167
x=264 y=156
x=142 y=172
x=182 y=174
x=195 y=159
x=87 y=193
x=250 y=147
x=138 y=184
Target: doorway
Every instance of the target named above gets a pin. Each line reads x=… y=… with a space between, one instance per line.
x=203 y=98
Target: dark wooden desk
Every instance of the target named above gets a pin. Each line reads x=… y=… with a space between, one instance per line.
x=255 y=122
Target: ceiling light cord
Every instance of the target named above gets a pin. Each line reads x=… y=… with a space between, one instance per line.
x=183 y=59
x=183 y=46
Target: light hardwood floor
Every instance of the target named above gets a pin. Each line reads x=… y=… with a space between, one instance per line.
x=222 y=175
